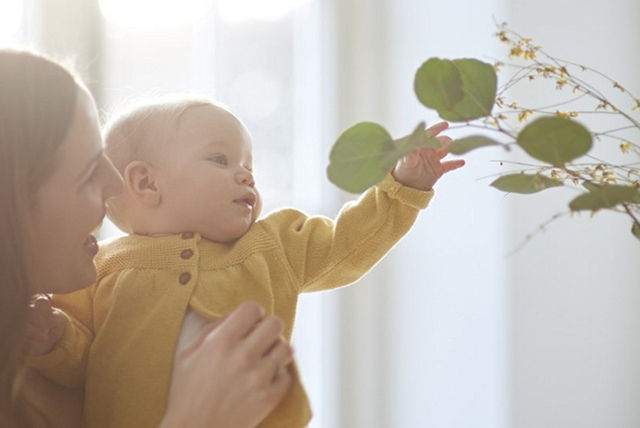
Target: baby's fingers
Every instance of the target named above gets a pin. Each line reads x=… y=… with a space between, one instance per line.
x=443 y=151
x=451 y=165
x=437 y=128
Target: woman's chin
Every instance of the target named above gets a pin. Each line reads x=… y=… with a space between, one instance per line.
x=82 y=280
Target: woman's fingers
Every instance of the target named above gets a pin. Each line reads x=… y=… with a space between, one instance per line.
x=241 y=321
x=264 y=336
x=280 y=383
x=277 y=388
x=208 y=328
x=35 y=333
x=275 y=361
x=229 y=330
x=274 y=372
x=39 y=310
x=237 y=368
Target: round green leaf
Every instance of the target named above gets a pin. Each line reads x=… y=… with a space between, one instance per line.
x=524 y=183
x=555 y=140
x=438 y=84
x=463 y=145
x=460 y=90
x=360 y=157
x=605 y=196
x=479 y=83
x=635 y=229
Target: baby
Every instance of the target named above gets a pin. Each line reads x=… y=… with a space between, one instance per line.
x=195 y=250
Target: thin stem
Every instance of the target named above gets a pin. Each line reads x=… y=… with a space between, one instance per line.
x=592 y=70
x=628 y=210
x=540 y=229
x=622 y=128
x=555 y=105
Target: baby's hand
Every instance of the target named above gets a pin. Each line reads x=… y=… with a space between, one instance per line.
x=421 y=168
x=45 y=326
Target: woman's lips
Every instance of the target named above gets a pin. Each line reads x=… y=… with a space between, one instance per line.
x=91 y=245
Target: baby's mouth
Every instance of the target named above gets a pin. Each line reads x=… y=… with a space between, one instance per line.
x=249 y=200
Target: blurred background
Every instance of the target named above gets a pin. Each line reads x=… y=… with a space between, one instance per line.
x=461 y=325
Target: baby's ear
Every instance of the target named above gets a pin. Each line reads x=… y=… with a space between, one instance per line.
x=141 y=183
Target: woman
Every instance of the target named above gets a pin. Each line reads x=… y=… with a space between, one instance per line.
x=54 y=181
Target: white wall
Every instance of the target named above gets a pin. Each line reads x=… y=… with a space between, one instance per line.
x=454 y=329
x=423 y=336
x=446 y=282
x=575 y=289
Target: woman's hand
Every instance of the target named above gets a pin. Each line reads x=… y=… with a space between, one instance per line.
x=45 y=326
x=232 y=375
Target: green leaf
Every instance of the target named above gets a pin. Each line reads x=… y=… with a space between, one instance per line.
x=438 y=84
x=463 y=145
x=590 y=186
x=605 y=196
x=365 y=153
x=524 y=183
x=555 y=140
x=419 y=138
x=635 y=229
x=360 y=157
x=459 y=90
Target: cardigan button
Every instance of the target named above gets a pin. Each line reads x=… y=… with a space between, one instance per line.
x=186 y=254
x=185 y=277
x=187 y=235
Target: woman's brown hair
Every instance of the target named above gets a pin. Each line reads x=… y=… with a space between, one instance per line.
x=37 y=104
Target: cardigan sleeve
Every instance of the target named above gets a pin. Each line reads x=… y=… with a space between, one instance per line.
x=324 y=253
x=66 y=363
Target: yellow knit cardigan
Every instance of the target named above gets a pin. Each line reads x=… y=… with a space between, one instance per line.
x=122 y=331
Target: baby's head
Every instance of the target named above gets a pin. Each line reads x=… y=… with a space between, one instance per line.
x=187 y=167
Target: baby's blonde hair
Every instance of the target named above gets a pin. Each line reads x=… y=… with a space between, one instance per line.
x=136 y=131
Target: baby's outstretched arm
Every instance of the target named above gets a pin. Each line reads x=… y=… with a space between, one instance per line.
x=421 y=168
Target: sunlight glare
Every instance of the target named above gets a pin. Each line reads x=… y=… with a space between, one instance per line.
x=11 y=12
x=258 y=92
x=257 y=10
x=153 y=13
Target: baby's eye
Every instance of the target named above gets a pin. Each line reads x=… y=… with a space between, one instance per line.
x=220 y=160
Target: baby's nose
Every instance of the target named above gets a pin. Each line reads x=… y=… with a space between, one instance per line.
x=246 y=177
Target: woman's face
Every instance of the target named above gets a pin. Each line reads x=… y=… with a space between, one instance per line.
x=70 y=205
